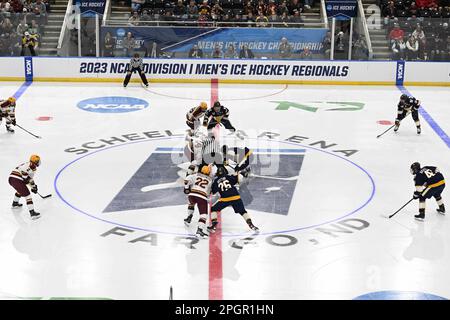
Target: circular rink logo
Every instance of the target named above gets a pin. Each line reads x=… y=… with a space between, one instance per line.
x=112 y=104
x=285 y=190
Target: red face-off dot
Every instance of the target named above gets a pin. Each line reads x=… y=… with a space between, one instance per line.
x=385 y=122
x=44 y=118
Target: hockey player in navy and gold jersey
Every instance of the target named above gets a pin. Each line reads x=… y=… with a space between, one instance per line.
x=405 y=106
x=429 y=183
x=225 y=185
x=218 y=114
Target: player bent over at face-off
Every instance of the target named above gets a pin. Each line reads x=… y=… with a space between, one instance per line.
x=429 y=183
x=224 y=184
x=198 y=187
x=194 y=114
x=22 y=177
x=217 y=114
x=405 y=106
x=8 y=111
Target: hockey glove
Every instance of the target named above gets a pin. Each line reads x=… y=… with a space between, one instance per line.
x=417 y=195
x=186 y=191
x=13 y=122
x=34 y=189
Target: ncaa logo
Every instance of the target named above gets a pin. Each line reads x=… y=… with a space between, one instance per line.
x=120 y=32
x=28 y=67
x=112 y=104
x=329 y=7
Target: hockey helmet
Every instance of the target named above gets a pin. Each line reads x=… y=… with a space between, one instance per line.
x=12 y=100
x=415 y=168
x=216 y=106
x=404 y=97
x=36 y=160
x=221 y=171
x=203 y=105
x=206 y=170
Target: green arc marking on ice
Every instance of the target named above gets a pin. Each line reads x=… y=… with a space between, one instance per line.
x=310 y=106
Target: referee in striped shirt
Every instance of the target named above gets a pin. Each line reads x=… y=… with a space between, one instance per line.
x=136 y=64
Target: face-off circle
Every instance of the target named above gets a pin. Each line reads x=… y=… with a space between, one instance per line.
x=285 y=198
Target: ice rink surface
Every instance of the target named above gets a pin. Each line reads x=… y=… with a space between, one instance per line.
x=321 y=189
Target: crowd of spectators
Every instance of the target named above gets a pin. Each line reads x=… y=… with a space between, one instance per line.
x=418 y=29
x=21 y=23
x=238 y=13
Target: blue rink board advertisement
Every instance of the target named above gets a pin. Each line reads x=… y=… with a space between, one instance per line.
x=260 y=41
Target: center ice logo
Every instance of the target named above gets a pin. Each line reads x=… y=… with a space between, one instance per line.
x=112 y=104
x=154 y=184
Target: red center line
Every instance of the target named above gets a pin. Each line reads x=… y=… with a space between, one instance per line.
x=215 y=239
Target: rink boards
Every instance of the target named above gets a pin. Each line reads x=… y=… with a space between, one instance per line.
x=229 y=71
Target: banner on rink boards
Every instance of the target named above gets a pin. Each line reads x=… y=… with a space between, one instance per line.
x=232 y=71
x=262 y=41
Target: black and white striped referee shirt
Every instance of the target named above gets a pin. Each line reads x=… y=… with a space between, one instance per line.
x=136 y=63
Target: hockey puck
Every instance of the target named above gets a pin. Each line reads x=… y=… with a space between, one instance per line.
x=385 y=122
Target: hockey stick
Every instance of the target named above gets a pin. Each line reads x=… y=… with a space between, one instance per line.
x=392 y=126
x=386 y=131
x=44 y=197
x=423 y=193
x=401 y=208
x=28 y=132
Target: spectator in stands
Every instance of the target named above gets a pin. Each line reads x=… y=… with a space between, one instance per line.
x=398 y=49
x=296 y=18
x=6 y=26
x=192 y=9
x=21 y=28
x=108 y=45
x=412 y=10
x=285 y=49
x=153 y=51
x=230 y=53
x=412 y=47
x=360 y=51
x=5 y=6
x=196 y=52
x=217 y=12
x=134 y=19
x=40 y=11
x=294 y=6
x=285 y=20
x=29 y=42
x=390 y=11
x=250 y=21
x=180 y=9
x=35 y=30
x=396 y=33
x=237 y=20
x=246 y=53
x=136 y=5
x=326 y=45
x=443 y=32
x=437 y=48
x=306 y=54
x=217 y=52
x=340 y=46
x=261 y=20
x=145 y=17
x=205 y=9
x=273 y=19
x=128 y=44
x=261 y=7
x=282 y=9
x=421 y=39
x=249 y=8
